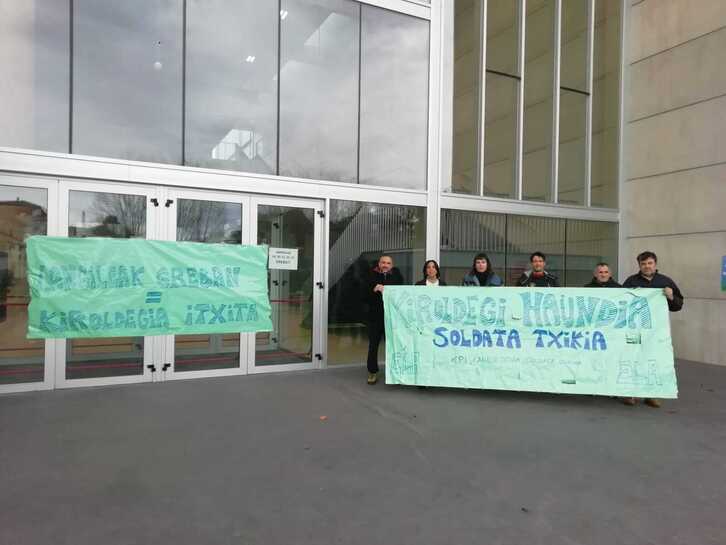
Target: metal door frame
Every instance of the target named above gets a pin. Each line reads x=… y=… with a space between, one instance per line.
x=319 y=294
x=168 y=232
x=153 y=348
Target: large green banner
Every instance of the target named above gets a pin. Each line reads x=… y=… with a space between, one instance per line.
x=562 y=340
x=104 y=287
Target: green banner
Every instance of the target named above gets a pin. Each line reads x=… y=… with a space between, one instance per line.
x=105 y=287
x=562 y=340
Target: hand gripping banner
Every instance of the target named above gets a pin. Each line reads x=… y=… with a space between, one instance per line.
x=104 y=287
x=562 y=340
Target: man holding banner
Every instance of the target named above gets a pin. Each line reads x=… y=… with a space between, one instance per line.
x=384 y=274
x=649 y=277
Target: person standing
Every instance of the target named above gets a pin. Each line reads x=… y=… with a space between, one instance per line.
x=431 y=275
x=602 y=277
x=481 y=274
x=649 y=277
x=537 y=276
x=383 y=274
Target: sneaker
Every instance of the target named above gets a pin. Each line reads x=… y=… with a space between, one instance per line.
x=651 y=402
x=372 y=378
x=630 y=401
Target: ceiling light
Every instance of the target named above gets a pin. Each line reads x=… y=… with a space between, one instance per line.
x=283 y=14
x=250 y=58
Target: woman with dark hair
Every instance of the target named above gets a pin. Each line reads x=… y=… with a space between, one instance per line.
x=431 y=275
x=481 y=273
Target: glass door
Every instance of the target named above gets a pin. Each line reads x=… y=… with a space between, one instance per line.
x=209 y=218
x=114 y=211
x=26 y=209
x=293 y=229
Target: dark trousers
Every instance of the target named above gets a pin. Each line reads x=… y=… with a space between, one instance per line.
x=376 y=331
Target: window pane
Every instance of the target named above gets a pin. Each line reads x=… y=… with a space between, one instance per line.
x=319 y=89
x=572 y=174
x=499 y=138
x=291 y=291
x=211 y=223
x=573 y=60
x=605 y=105
x=538 y=82
x=34 y=54
x=528 y=234
x=467 y=34
x=23 y=213
x=231 y=93
x=502 y=36
x=394 y=99
x=127 y=79
x=588 y=243
x=116 y=216
x=359 y=233
x=465 y=234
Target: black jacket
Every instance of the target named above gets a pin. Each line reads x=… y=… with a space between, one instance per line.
x=658 y=281
x=609 y=284
x=375 y=298
x=423 y=282
x=547 y=280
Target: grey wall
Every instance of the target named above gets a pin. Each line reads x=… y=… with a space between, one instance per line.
x=674 y=192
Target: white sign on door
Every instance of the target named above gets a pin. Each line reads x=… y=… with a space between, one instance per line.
x=283 y=258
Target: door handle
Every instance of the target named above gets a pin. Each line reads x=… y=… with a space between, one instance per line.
x=275 y=283
x=166 y=366
x=320 y=285
x=152 y=368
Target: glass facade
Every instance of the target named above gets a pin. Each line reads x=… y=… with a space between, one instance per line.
x=394 y=99
x=127 y=79
x=572 y=247
x=231 y=92
x=333 y=90
x=321 y=89
x=467 y=28
x=606 y=104
x=548 y=129
x=359 y=234
x=34 y=56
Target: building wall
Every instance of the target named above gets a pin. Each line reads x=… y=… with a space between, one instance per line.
x=675 y=159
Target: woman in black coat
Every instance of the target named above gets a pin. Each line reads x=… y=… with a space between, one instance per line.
x=431 y=275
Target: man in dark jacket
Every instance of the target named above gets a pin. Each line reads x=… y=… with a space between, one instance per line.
x=649 y=277
x=384 y=274
x=537 y=276
x=603 y=278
